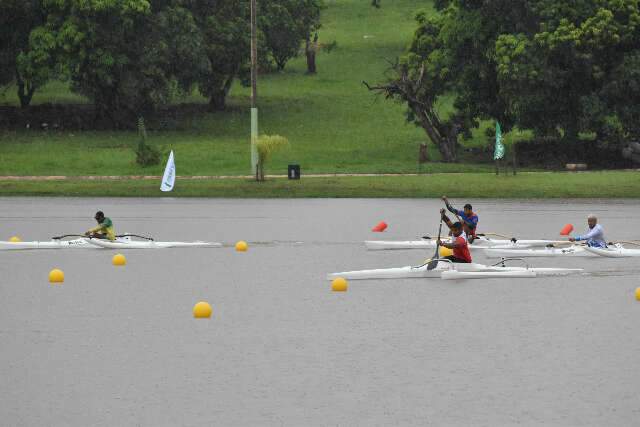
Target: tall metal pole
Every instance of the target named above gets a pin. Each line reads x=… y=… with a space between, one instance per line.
x=254 y=89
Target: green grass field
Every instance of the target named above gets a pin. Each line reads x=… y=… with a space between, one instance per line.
x=334 y=124
x=468 y=185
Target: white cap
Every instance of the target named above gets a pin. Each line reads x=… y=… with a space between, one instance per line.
x=592 y=216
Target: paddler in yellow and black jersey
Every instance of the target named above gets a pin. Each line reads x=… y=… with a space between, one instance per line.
x=104 y=229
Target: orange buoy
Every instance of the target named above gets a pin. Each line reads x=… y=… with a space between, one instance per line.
x=566 y=230
x=380 y=227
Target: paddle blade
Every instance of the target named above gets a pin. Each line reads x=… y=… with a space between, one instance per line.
x=566 y=230
x=432 y=264
x=380 y=227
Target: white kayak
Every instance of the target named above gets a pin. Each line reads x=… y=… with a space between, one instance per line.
x=421 y=271
x=507 y=272
x=616 y=251
x=571 y=251
x=407 y=272
x=458 y=275
x=148 y=244
x=52 y=244
x=480 y=242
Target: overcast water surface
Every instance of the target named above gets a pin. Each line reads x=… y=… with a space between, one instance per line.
x=118 y=346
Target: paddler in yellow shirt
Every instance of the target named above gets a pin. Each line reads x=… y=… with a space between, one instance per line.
x=104 y=229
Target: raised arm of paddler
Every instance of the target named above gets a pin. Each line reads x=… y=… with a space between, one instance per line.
x=448 y=205
x=445 y=218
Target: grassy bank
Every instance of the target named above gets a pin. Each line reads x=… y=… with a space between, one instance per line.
x=334 y=124
x=475 y=185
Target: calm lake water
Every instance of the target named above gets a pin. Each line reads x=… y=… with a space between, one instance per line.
x=118 y=346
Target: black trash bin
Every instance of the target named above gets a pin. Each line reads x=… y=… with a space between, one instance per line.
x=294 y=172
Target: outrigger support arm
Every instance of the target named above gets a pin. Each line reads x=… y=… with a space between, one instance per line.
x=67 y=235
x=136 y=235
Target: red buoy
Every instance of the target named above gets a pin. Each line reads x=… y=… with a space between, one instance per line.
x=380 y=227
x=566 y=230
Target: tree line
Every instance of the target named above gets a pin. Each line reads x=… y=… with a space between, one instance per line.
x=131 y=56
x=564 y=69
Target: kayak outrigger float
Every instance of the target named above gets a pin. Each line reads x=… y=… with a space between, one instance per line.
x=445 y=269
x=122 y=242
x=480 y=242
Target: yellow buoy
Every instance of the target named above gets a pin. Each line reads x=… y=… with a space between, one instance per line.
x=339 y=285
x=119 y=259
x=445 y=252
x=56 y=276
x=15 y=239
x=638 y=294
x=242 y=246
x=202 y=310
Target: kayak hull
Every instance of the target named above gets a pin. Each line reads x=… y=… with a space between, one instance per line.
x=53 y=244
x=418 y=272
x=407 y=272
x=573 y=251
x=134 y=244
x=459 y=275
x=379 y=245
x=613 y=252
x=511 y=273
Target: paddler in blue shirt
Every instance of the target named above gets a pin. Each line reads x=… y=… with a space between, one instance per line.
x=467 y=217
x=595 y=235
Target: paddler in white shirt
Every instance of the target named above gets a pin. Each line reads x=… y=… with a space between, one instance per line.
x=595 y=235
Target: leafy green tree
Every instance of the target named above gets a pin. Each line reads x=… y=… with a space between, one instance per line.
x=26 y=52
x=185 y=43
x=225 y=29
x=621 y=94
x=575 y=71
x=310 y=18
x=127 y=56
x=559 y=68
x=420 y=77
x=286 y=24
x=310 y=50
x=113 y=54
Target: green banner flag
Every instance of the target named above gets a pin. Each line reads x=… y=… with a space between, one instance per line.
x=499 y=151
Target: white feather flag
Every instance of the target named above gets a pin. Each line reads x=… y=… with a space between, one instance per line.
x=169 y=177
